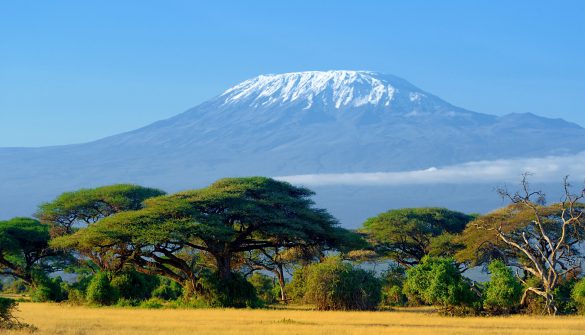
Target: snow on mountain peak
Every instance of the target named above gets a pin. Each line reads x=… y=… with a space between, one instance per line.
x=340 y=88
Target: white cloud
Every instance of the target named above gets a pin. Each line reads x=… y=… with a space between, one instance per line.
x=546 y=169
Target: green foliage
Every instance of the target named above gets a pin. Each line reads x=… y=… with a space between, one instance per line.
x=482 y=244
x=233 y=292
x=578 y=295
x=503 y=292
x=407 y=235
x=7 y=319
x=152 y=303
x=563 y=297
x=7 y=307
x=167 y=290
x=23 y=247
x=265 y=287
x=231 y=216
x=392 y=283
x=337 y=285
x=134 y=285
x=87 y=206
x=100 y=291
x=437 y=281
x=296 y=289
x=47 y=289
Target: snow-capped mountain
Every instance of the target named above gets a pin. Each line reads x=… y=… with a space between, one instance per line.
x=286 y=124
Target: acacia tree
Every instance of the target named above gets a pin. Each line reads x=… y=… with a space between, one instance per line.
x=407 y=235
x=172 y=233
x=540 y=240
x=24 y=248
x=74 y=210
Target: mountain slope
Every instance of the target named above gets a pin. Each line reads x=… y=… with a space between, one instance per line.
x=294 y=123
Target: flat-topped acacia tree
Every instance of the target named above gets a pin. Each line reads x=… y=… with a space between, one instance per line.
x=24 y=248
x=222 y=221
x=75 y=210
x=407 y=235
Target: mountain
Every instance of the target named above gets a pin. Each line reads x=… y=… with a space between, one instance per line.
x=286 y=124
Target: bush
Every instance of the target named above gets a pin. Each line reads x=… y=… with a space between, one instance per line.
x=100 y=291
x=392 y=282
x=7 y=318
x=133 y=285
x=153 y=303
x=578 y=295
x=264 y=286
x=437 y=281
x=296 y=289
x=48 y=289
x=235 y=292
x=337 y=285
x=167 y=290
x=503 y=292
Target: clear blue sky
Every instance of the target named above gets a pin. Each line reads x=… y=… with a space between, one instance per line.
x=74 y=71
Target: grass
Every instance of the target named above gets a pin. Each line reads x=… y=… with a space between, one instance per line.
x=64 y=320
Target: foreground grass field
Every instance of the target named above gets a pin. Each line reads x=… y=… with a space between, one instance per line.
x=65 y=320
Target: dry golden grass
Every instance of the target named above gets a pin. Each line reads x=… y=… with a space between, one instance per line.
x=65 y=320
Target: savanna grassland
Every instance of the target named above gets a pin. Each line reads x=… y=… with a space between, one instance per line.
x=68 y=320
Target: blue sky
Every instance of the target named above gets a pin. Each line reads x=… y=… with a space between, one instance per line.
x=75 y=71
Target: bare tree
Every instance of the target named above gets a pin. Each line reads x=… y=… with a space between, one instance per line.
x=546 y=243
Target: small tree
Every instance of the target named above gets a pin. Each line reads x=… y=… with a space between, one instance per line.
x=502 y=293
x=24 y=249
x=437 y=281
x=100 y=290
x=407 y=235
x=336 y=285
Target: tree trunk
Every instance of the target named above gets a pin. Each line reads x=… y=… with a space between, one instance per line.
x=281 y=283
x=224 y=266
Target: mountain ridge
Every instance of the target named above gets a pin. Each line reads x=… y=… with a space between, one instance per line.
x=287 y=124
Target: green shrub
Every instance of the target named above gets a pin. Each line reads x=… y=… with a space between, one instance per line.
x=167 y=290
x=153 y=303
x=296 y=289
x=100 y=291
x=48 y=289
x=578 y=295
x=437 y=281
x=235 y=292
x=503 y=292
x=337 y=285
x=265 y=288
x=134 y=285
x=392 y=282
x=563 y=297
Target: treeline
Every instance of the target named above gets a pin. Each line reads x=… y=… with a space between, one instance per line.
x=236 y=242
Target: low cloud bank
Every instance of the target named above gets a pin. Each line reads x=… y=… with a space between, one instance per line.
x=546 y=169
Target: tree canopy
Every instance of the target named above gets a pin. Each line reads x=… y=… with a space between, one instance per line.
x=407 y=235
x=173 y=233
x=24 y=244
x=76 y=209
